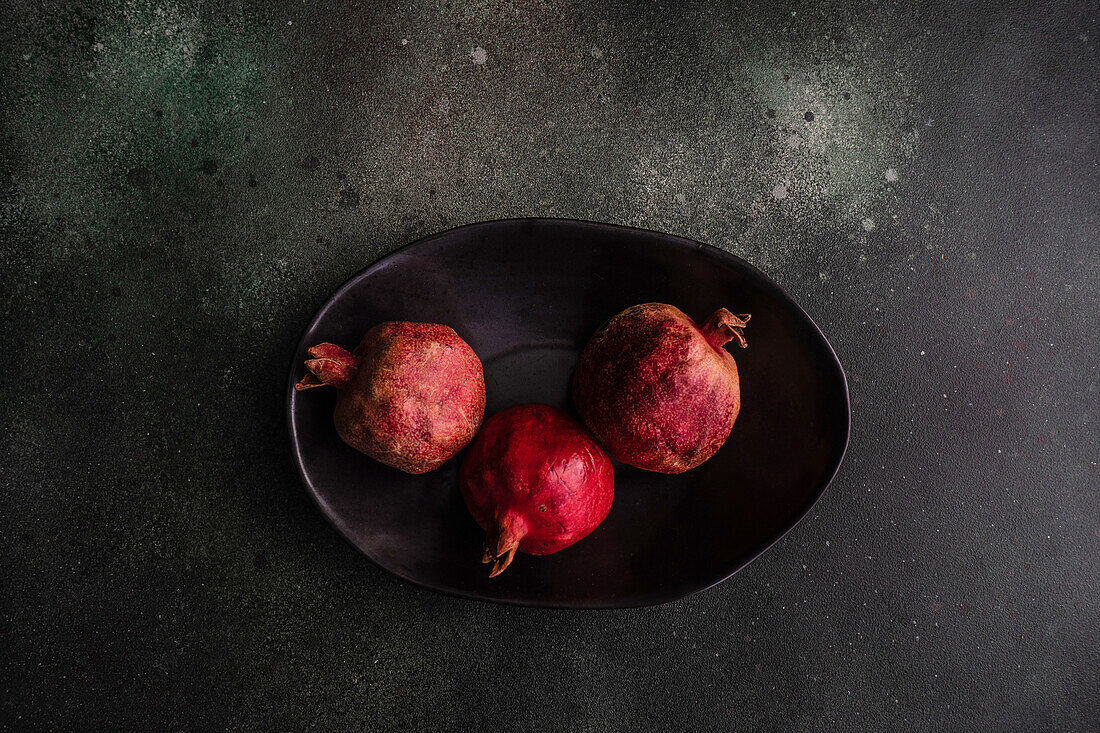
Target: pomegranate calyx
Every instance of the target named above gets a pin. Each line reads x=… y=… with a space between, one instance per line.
x=331 y=365
x=501 y=543
x=723 y=326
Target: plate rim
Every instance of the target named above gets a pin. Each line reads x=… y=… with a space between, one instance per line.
x=710 y=251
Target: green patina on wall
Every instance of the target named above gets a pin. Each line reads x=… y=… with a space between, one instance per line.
x=387 y=131
x=116 y=103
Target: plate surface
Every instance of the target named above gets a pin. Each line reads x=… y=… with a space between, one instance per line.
x=526 y=294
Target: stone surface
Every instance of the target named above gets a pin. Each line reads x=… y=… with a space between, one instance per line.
x=184 y=182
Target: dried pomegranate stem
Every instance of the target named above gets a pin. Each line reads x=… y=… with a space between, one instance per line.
x=331 y=365
x=501 y=543
x=723 y=326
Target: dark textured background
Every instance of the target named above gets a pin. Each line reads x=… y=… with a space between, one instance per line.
x=185 y=181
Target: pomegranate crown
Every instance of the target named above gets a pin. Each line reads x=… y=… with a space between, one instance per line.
x=331 y=365
x=723 y=327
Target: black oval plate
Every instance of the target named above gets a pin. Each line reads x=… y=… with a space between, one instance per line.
x=526 y=294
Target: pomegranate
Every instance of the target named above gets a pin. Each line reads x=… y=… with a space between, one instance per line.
x=411 y=396
x=658 y=390
x=536 y=481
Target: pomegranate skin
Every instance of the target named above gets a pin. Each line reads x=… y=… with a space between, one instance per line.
x=535 y=480
x=411 y=395
x=659 y=391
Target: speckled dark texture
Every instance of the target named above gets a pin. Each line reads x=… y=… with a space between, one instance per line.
x=184 y=182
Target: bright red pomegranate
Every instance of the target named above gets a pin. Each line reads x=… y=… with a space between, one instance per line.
x=411 y=396
x=536 y=481
x=658 y=390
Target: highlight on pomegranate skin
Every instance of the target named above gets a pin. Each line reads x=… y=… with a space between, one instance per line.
x=659 y=390
x=411 y=395
x=536 y=481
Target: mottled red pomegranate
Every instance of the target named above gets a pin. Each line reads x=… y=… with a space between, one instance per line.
x=411 y=396
x=536 y=481
x=658 y=390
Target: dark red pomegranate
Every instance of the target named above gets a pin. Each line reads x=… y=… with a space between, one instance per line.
x=536 y=481
x=411 y=396
x=658 y=390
